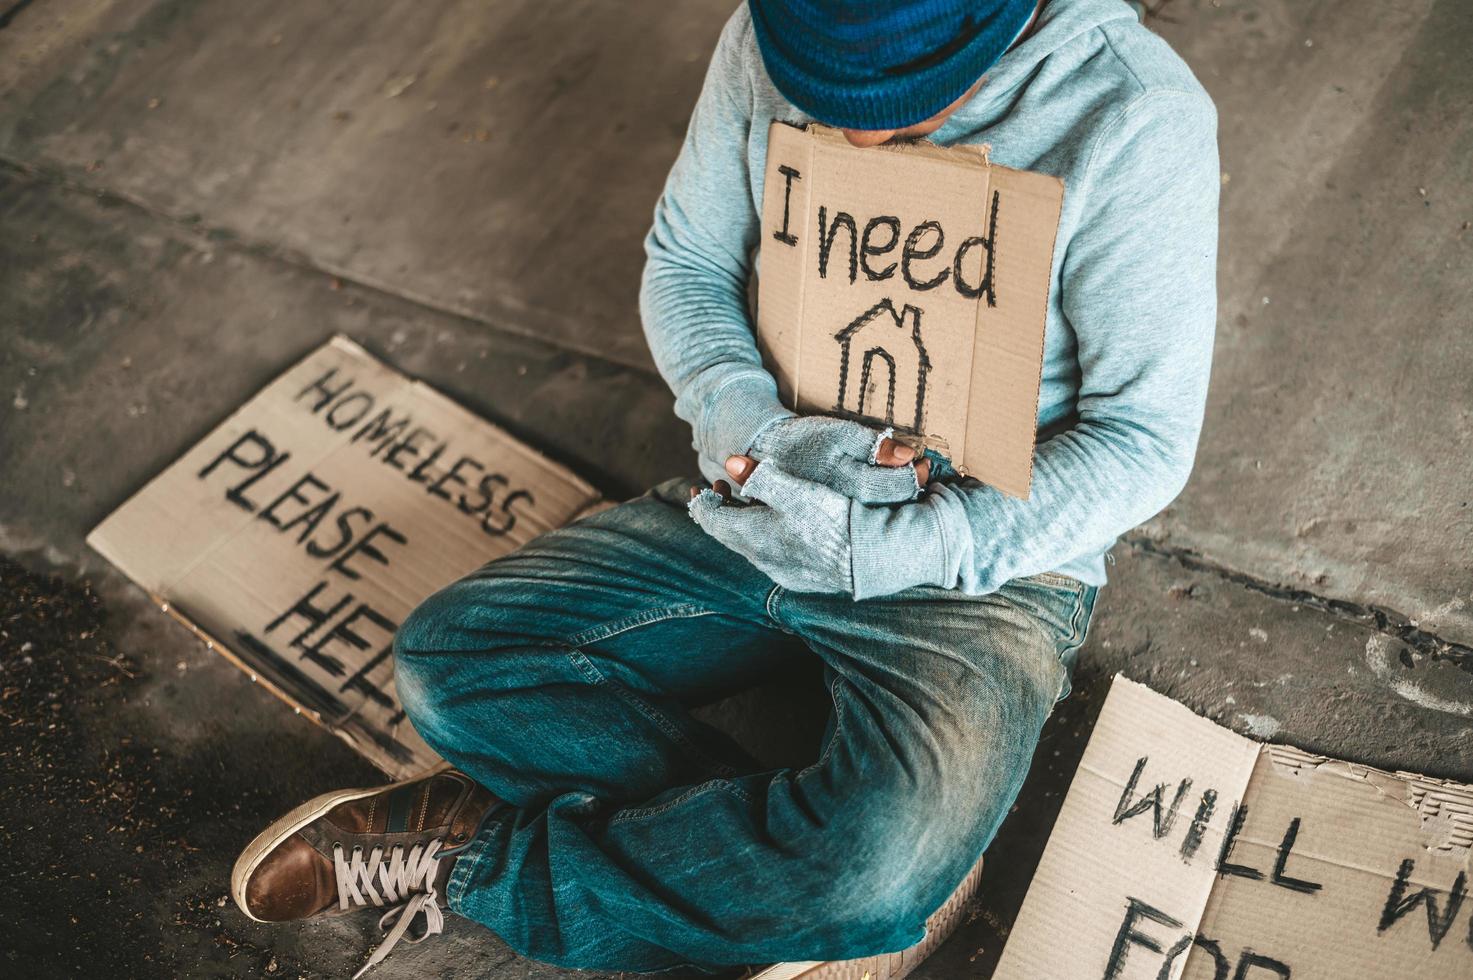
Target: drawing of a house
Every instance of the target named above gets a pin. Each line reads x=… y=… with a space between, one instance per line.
x=883 y=367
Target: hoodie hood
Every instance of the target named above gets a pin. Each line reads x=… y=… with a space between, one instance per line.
x=1060 y=23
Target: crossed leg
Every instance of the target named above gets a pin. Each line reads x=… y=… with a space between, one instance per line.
x=638 y=838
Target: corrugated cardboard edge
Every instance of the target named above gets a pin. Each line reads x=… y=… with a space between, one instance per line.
x=1444 y=806
x=211 y=642
x=967 y=154
x=1429 y=796
x=256 y=678
x=364 y=749
x=1444 y=801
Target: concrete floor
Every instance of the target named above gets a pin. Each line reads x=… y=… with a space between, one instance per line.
x=193 y=193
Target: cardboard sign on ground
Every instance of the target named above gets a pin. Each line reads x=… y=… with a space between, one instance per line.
x=1184 y=850
x=908 y=285
x=299 y=533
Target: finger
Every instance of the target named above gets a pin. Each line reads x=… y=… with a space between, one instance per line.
x=859 y=441
x=695 y=492
x=723 y=488
x=941 y=468
x=889 y=452
x=871 y=484
x=736 y=527
x=923 y=472
x=740 y=467
x=787 y=494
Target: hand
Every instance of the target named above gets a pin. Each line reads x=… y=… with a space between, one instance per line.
x=849 y=458
x=807 y=537
x=797 y=531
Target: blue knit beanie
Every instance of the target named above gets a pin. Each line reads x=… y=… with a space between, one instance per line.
x=882 y=64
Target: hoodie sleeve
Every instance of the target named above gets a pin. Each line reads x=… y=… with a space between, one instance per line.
x=694 y=290
x=1138 y=286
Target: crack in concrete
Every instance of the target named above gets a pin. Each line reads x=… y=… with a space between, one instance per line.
x=220 y=236
x=1385 y=621
x=11 y=11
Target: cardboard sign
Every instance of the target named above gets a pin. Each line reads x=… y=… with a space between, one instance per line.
x=1184 y=850
x=299 y=533
x=908 y=286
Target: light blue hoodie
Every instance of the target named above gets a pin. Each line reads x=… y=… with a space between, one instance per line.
x=1090 y=96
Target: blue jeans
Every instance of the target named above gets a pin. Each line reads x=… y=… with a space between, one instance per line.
x=638 y=838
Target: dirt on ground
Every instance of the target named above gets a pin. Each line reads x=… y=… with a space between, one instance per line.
x=109 y=825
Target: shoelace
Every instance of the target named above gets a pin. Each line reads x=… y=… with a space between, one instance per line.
x=406 y=877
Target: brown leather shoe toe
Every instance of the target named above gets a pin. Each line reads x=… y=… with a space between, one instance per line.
x=387 y=846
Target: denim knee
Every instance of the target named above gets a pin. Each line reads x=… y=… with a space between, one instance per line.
x=875 y=901
x=457 y=637
x=882 y=860
x=425 y=629
x=420 y=645
x=416 y=691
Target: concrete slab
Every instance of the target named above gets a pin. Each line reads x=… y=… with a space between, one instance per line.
x=126 y=338
x=1338 y=450
x=499 y=160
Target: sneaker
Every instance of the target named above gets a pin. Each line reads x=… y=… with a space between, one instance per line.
x=886 y=966
x=390 y=847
